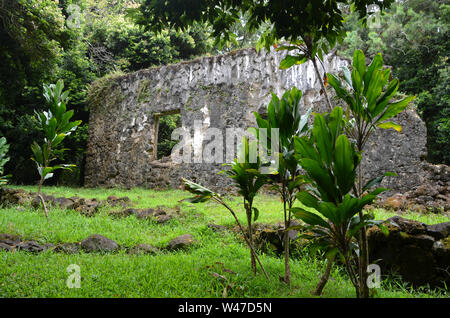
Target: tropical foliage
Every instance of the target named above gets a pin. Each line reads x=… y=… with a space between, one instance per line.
x=245 y=172
x=413 y=39
x=285 y=115
x=56 y=125
x=331 y=162
x=4 y=147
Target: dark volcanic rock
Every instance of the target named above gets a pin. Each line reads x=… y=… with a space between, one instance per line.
x=14 y=196
x=98 y=243
x=145 y=214
x=114 y=200
x=270 y=237
x=143 y=249
x=416 y=251
x=130 y=211
x=6 y=247
x=161 y=219
x=439 y=231
x=65 y=203
x=181 y=242
x=68 y=248
x=87 y=207
x=31 y=246
x=10 y=239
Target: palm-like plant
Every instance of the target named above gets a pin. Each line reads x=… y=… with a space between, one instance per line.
x=249 y=181
x=368 y=93
x=331 y=162
x=285 y=115
x=56 y=125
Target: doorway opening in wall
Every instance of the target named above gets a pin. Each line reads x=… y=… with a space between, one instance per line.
x=166 y=123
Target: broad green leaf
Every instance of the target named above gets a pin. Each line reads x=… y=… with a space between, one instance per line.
x=290 y=60
x=344 y=168
x=357 y=82
x=305 y=149
x=329 y=210
x=375 y=65
x=37 y=152
x=385 y=98
x=255 y=214
x=359 y=62
x=389 y=124
x=395 y=108
x=377 y=191
x=377 y=180
x=309 y=218
x=321 y=177
x=57 y=140
x=308 y=199
x=322 y=139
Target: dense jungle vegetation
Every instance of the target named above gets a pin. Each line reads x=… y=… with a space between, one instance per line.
x=80 y=41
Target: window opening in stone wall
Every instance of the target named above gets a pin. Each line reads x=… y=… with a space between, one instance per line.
x=165 y=124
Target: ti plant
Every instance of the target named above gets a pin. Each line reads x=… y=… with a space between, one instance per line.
x=310 y=49
x=248 y=180
x=285 y=115
x=4 y=147
x=56 y=125
x=368 y=93
x=331 y=162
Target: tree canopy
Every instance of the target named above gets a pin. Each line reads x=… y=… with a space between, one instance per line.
x=290 y=20
x=80 y=41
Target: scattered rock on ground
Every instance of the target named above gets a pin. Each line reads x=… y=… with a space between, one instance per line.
x=396 y=202
x=439 y=231
x=144 y=214
x=14 y=196
x=143 y=249
x=13 y=239
x=68 y=248
x=161 y=219
x=159 y=214
x=8 y=241
x=6 y=247
x=31 y=246
x=181 y=242
x=65 y=203
x=270 y=237
x=87 y=207
x=98 y=243
x=114 y=200
x=420 y=253
x=49 y=200
x=94 y=243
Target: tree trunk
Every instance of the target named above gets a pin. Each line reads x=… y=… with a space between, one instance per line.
x=322 y=85
x=244 y=234
x=363 y=245
x=324 y=279
x=250 y=238
x=287 y=267
x=42 y=199
x=364 y=262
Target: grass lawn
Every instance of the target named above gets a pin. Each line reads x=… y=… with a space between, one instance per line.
x=175 y=274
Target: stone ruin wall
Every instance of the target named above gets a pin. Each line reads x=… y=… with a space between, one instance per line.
x=221 y=91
